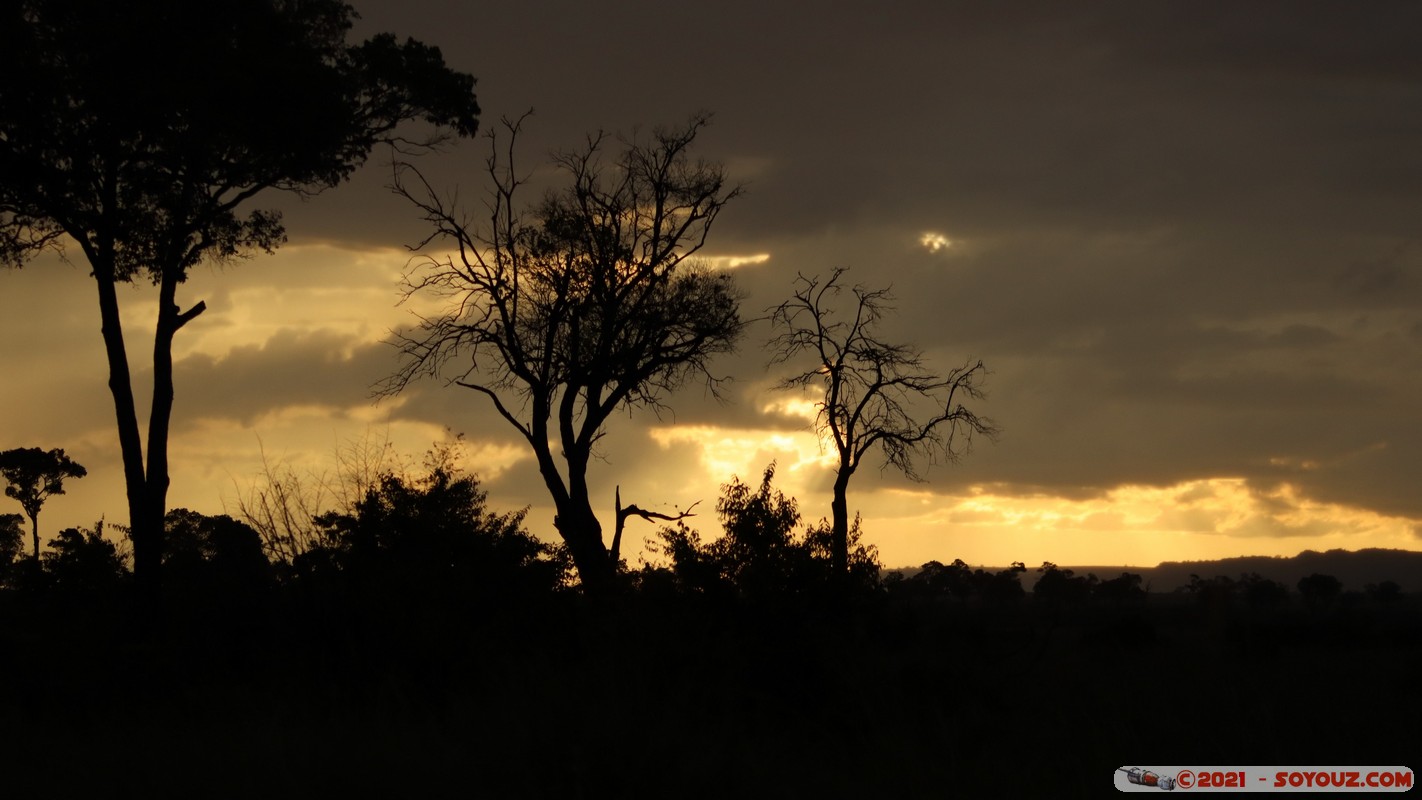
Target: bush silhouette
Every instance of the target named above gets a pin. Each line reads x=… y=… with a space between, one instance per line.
x=213 y=560
x=12 y=544
x=414 y=538
x=760 y=555
x=84 y=563
x=1058 y=586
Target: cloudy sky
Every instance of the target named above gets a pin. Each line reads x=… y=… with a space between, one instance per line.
x=1183 y=236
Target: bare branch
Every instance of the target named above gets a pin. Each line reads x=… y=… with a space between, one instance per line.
x=582 y=303
x=623 y=512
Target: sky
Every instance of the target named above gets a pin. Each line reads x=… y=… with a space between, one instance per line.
x=1182 y=236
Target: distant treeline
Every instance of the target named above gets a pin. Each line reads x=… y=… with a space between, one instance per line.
x=1355 y=569
x=431 y=538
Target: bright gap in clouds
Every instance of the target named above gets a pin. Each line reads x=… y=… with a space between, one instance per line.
x=732 y=262
x=995 y=525
x=935 y=242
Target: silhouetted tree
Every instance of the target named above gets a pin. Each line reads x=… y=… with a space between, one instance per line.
x=216 y=557
x=12 y=544
x=1060 y=586
x=409 y=537
x=964 y=584
x=862 y=571
x=1319 y=590
x=760 y=554
x=944 y=580
x=1122 y=590
x=1260 y=592
x=583 y=304
x=83 y=562
x=623 y=512
x=35 y=475
x=759 y=548
x=1214 y=595
x=1384 y=592
x=139 y=130
x=695 y=568
x=869 y=387
x=1003 y=587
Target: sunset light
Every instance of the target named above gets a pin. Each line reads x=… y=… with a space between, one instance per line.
x=934 y=242
x=413 y=398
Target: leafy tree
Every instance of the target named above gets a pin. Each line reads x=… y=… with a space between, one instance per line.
x=12 y=543
x=1215 y=595
x=34 y=476
x=1122 y=590
x=960 y=582
x=139 y=132
x=582 y=304
x=1384 y=593
x=760 y=551
x=214 y=556
x=862 y=559
x=84 y=562
x=409 y=537
x=1320 y=590
x=1260 y=592
x=695 y=567
x=937 y=579
x=1060 y=586
x=869 y=387
x=760 y=554
x=1002 y=587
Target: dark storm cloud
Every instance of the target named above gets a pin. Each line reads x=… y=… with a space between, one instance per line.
x=998 y=118
x=291 y=368
x=1184 y=233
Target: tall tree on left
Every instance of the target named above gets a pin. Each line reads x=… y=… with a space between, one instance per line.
x=139 y=131
x=33 y=476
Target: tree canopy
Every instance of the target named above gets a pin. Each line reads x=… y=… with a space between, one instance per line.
x=139 y=129
x=34 y=475
x=588 y=301
x=139 y=132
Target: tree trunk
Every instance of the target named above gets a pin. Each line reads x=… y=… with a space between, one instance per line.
x=34 y=532
x=575 y=520
x=148 y=552
x=582 y=531
x=579 y=527
x=839 y=535
x=130 y=444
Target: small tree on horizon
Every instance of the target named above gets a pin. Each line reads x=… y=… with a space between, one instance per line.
x=35 y=475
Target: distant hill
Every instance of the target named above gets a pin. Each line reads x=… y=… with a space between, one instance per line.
x=1355 y=568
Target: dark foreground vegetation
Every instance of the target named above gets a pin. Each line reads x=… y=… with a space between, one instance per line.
x=425 y=644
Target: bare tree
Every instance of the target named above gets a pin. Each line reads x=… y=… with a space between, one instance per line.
x=281 y=504
x=586 y=302
x=870 y=387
